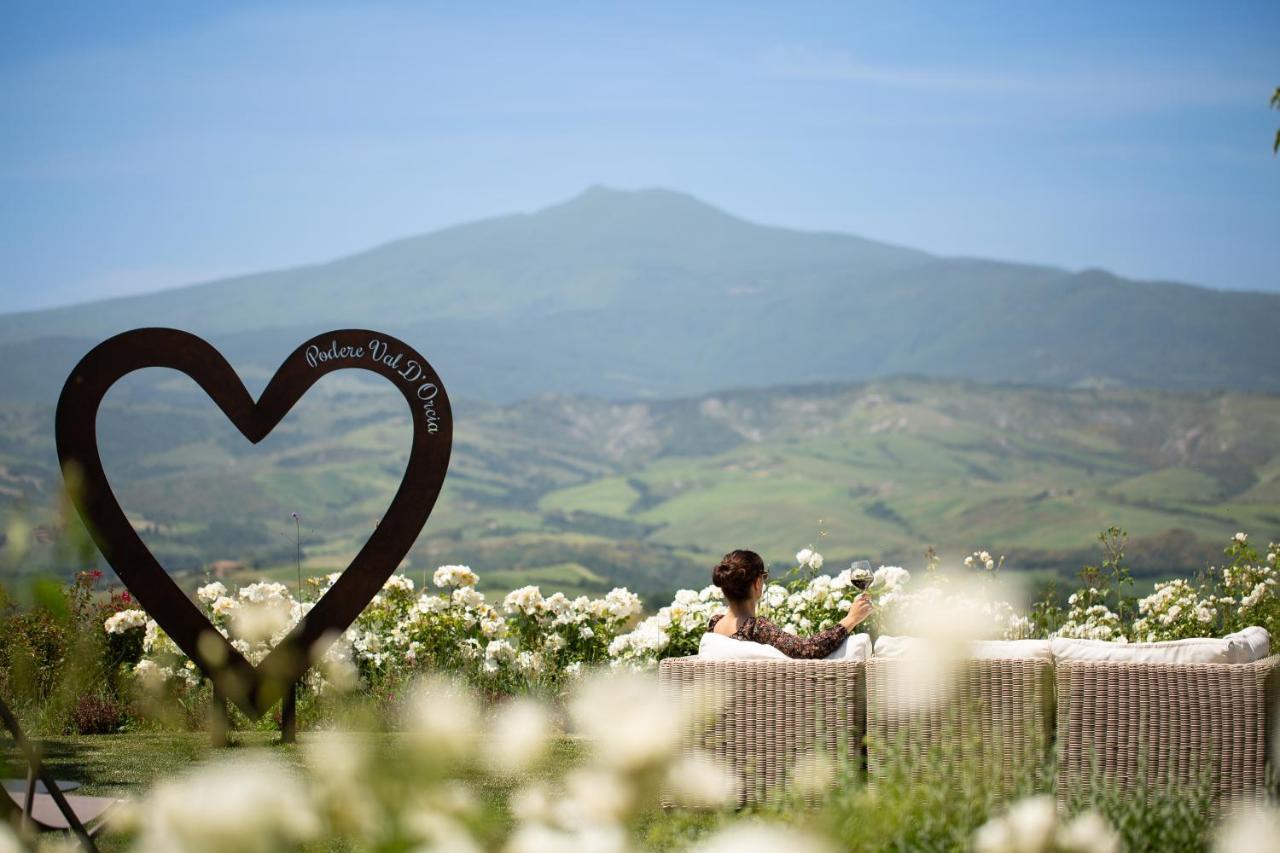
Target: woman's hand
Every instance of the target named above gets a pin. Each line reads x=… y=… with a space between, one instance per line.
x=858 y=612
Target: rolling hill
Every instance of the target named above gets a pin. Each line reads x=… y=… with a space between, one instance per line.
x=654 y=294
x=580 y=493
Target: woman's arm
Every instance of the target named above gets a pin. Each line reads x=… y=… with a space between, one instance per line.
x=810 y=648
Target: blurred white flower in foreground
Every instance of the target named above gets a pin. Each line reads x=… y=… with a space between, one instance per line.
x=1256 y=830
x=762 y=836
x=440 y=718
x=698 y=782
x=519 y=737
x=1089 y=832
x=1031 y=826
x=944 y=619
x=338 y=763
x=540 y=838
x=252 y=803
x=9 y=842
x=631 y=720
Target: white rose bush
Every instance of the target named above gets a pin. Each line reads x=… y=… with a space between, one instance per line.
x=529 y=641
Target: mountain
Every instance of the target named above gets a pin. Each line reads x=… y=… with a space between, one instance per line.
x=655 y=294
x=582 y=493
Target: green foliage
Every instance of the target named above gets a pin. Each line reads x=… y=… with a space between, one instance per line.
x=1112 y=578
x=1275 y=102
x=1218 y=600
x=54 y=655
x=1170 y=818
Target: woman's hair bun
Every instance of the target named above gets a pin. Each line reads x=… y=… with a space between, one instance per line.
x=736 y=573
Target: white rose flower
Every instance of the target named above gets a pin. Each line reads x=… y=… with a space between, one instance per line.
x=467 y=596
x=398 y=583
x=428 y=603
x=125 y=620
x=211 y=592
x=803 y=556
x=454 y=576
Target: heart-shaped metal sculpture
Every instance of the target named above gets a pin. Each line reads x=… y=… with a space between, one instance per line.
x=254 y=689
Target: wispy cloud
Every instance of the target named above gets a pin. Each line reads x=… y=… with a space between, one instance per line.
x=1077 y=83
x=802 y=62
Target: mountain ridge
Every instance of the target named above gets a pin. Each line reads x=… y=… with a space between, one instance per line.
x=655 y=293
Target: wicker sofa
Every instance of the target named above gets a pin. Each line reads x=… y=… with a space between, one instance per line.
x=989 y=718
x=1143 y=725
x=1131 y=724
x=763 y=718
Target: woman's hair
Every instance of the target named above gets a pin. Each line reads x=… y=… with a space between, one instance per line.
x=736 y=572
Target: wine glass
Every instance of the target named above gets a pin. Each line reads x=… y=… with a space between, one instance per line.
x=862 y=576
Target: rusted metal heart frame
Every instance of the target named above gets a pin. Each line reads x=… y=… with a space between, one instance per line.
x=254 y=689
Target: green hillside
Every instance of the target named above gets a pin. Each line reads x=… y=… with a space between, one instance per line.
x=654 y=294
x=581 y=493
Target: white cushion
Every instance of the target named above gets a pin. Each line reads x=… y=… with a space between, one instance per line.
x=1252 y=643
x=852 y=647
x=1196 y=650
x=715 y=646
x=897 y=647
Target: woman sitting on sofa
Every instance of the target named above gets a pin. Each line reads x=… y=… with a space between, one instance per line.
x=741 y=576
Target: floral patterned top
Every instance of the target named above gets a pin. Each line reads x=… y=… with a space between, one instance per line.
x=759 y=630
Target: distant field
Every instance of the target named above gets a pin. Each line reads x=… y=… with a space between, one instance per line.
x=581 y=494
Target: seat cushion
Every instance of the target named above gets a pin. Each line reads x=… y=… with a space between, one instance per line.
x=1252 y=643
x=1196 y=650
x=898 y=647
x=719 y=647
x=852 y=647
x=712 y=646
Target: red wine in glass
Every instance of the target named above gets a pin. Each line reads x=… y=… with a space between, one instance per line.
x=862 y=575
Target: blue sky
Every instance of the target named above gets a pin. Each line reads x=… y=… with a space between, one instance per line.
x=151 y=145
